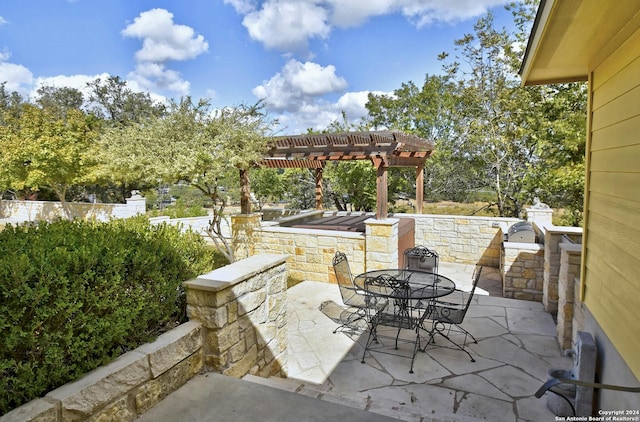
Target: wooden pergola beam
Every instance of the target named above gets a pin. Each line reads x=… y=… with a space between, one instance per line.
x=384 y=148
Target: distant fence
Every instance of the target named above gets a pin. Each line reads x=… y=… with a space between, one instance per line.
x=15 y=212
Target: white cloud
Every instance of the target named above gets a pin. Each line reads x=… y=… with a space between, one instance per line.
x=242 y=6
x=288 y=24
x=155 y=76
x=424 y=12
x=298 y=83
x=318 y=114
x=162 y=41
x=15 y=76
x=3 y=21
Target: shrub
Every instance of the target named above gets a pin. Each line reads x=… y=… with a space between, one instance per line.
x=75 y=295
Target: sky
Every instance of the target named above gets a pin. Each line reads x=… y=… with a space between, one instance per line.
x=308 y=60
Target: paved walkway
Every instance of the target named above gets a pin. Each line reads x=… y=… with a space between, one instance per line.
x=516 y=346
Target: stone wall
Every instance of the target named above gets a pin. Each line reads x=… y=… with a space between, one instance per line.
x=125 y=388
x=238 y=326
x=311 y=252
x=15 y=212
x=471 y=240
x=243 y=311
x=522 y=266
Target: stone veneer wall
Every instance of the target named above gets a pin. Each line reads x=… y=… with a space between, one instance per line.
x=472 y=240
x=553 y=237
x=522 y=267
x=571 y=255
x=311 y=251
x=238 y=326
x=243 y=311
x=126 y=387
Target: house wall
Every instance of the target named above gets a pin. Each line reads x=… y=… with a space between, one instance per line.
x=611 y=273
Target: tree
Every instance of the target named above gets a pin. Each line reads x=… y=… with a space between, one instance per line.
x=491 y=133
x=39 y=149
x=267 y=185
x=113 y=101
x=59 y=100
x=429 y=112
x=194 y=144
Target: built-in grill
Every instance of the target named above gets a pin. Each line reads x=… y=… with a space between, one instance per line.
x=521 y=232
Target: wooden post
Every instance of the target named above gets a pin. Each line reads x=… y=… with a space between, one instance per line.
x=419 y=188
x=381 y=188
x=319 y=188
x=245 y=192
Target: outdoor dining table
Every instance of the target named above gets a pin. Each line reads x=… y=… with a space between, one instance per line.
x=409 y=293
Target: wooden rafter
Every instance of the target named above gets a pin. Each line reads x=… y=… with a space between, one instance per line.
x=384 y=148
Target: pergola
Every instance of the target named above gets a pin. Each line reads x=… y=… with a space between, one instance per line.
x=385 y=149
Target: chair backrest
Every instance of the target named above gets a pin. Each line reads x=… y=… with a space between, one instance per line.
x=421 y=258
x=342 y=270
x=476 y=277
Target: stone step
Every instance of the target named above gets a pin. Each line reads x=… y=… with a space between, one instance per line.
x=327 y=393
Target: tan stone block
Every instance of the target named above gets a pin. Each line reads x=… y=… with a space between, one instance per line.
x=101 y=386
x=116 y=412
x=173 y=347
x=37 y=410
x=251 y=301
x=207 y=316
x=221 y=340
x=216 y=363
x=244 y=365
x=529 y=273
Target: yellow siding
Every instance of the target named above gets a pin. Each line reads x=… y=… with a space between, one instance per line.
x=612 y=260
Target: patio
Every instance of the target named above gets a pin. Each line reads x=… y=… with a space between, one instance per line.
x=516 y=346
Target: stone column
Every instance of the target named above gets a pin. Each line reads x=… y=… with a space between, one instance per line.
x=540 y=213
x=136 y=204
x=242 y=231
x=381 y=243
x=571 y=255
x=243 y=311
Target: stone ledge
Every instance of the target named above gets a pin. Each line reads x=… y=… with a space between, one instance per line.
x=235 y=273
x=172 y=347
x=106 y=391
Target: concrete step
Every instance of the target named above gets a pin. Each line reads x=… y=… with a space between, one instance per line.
x=330 y=394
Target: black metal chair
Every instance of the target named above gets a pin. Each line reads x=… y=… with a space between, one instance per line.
x=448 y=313
x=421 y=258
x=398 y=315
x=352 y=296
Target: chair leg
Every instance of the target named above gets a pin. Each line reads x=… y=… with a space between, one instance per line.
x=353 y=317
x=438 y=327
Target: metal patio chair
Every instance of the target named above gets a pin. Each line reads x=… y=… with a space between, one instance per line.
x=448 y=313
x=351 y=296
x=421 y=258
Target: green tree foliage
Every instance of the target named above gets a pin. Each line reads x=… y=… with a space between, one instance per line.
x=113 y=101
x=267 y=185
x=191 y=143
x=75 y=295
x=59 y=100
x=41 y=148
x=490 y=132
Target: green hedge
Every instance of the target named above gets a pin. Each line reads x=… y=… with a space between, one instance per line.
x=75 y=295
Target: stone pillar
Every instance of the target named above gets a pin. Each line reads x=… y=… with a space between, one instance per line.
x=540 y=213
x=554 y=236
x=571 y=255
x=242 y=231
x=136 y=204
x=381 y=244
x=243 y=311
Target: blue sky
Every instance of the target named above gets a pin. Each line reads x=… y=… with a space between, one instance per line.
x=308 y=59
